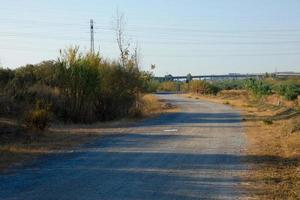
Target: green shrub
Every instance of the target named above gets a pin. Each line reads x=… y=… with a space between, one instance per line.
x=94 y=89
x=6 y=75
x=291 y=93
x=257 y=88
x=213 y=90
x=229 y=84
x=203 y=87
x=288 y=91
x=280 y=89
x=170 y=86
x=149 y=84
x=39 y=118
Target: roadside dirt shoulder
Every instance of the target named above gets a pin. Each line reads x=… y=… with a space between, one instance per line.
x=273 y=145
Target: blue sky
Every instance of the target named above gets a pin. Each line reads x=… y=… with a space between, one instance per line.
x=179 y=36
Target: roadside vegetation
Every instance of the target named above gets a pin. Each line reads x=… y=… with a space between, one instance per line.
x=287 y=88
x=75 y=89
x=271 y=114
x=78 y=89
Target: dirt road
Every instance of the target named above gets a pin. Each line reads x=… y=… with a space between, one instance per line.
x=192 y=154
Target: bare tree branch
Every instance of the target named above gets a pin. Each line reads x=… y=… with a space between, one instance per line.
x=123 y=43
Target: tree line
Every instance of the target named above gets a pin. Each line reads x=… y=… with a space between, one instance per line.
x=288 y=88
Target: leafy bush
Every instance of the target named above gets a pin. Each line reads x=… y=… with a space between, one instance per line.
x=288 y=91
x=258 y=88
x=149 y=84
x=39 y=118
x=229 y=84
x=291 y=93
x=170 y=86
x=6 y=75
x=93 y=89
x=120 y=91
x=203 y=87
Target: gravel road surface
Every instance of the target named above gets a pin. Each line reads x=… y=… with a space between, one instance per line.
x=194 y=153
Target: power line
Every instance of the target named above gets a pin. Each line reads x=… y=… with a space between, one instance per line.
x=154 y=42
x=26 y=49
x=224 y=55
x=155 y=27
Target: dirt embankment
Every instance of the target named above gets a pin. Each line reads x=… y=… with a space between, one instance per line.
x=273 y=149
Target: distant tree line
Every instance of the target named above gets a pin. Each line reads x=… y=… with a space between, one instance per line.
x=289 y=88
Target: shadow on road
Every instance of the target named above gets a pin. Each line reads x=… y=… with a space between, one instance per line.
x=180 y=118
x=164 y=180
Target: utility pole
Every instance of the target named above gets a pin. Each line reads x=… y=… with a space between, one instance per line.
x=92 y=37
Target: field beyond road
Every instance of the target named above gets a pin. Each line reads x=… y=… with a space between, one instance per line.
x=194 y=153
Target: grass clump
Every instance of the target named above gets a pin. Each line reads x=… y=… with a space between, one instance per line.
x=268 y=121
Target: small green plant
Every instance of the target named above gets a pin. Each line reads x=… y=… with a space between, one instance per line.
x=268 y=122
x=39 y=118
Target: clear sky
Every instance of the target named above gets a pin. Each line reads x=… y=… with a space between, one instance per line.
x=179 y=36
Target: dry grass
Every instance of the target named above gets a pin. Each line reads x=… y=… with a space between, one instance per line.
x=273 y=149
x=16 y=147
x=280 y=178
x=153 y=106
